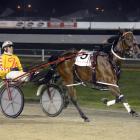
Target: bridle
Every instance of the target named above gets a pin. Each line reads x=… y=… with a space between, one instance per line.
x=115 y=51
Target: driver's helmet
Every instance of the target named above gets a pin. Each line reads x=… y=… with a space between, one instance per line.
x=7 y=44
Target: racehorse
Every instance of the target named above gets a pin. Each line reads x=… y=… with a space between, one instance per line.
x=103 y=69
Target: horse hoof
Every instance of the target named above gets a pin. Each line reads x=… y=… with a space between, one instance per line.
x=134 y=113
x=86 y=120
x=104 y=100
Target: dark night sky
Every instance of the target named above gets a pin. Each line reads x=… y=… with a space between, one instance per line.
x=63 y=7
x=72 y=3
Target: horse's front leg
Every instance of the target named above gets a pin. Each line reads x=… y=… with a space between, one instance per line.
x=120 y=98
x=72 y=93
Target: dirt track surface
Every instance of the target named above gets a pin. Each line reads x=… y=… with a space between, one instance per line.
x=33 y=124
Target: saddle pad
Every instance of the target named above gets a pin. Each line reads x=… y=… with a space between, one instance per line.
x=84 y=59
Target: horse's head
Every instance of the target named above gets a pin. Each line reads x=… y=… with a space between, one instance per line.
x=127 y=44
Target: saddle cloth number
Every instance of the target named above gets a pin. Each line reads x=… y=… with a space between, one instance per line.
x=84 y=59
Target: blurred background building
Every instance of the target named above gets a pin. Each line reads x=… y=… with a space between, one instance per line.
x=65 y=23
x=81 y=10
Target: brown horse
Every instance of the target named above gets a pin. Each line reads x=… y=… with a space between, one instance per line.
x=103 y=68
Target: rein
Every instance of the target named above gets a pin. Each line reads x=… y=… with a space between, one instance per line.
x=115 y=54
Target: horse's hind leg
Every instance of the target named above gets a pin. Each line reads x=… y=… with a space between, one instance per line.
x=65 y=70
x=120 y=98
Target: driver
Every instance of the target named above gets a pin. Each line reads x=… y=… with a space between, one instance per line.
x=10 y=66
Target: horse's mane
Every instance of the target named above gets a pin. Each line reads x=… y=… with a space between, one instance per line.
x=106 y=48
x=115 y=38
x=112 y=41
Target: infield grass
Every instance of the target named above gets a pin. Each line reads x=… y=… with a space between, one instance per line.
x=129 y=85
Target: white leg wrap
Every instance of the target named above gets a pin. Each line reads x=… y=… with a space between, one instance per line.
x=109 y=103
x=121 y=96
x=127 y=106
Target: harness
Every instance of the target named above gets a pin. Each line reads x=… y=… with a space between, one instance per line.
x=92 y=67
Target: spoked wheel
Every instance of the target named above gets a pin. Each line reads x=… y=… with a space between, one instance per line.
x=12 y=101
x=51 y=100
